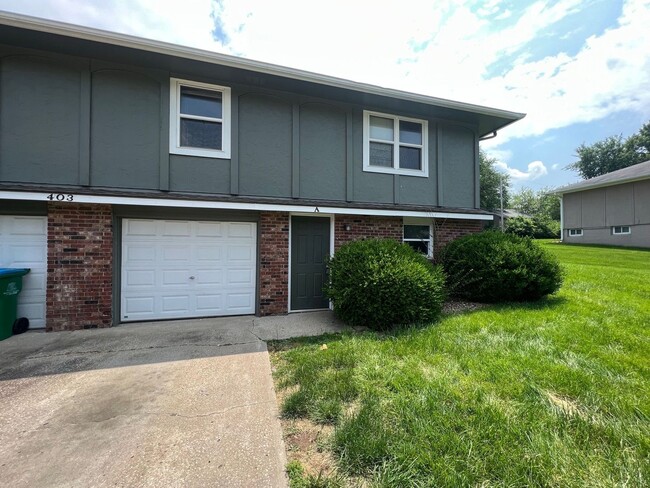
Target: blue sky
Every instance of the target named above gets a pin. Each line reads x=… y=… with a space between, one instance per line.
x=579 y=69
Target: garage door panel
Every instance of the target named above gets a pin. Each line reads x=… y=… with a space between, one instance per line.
x=173 y=228
x=209 y=277
x=240 y=277
x=210 y=303
x=176 y=277
x=23 y=244
x=143 y=305
x=139 y=254
x=240 y=253
x=209 y=229
x=179 y=253
x=140 y=227
x=140 y=278
x=238 y=301
x=243 y=229
x=175 y=303
x=221 y=256
x=27 y=226
x=208 y=253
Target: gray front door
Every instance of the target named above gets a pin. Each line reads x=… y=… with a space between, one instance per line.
x=310 y=245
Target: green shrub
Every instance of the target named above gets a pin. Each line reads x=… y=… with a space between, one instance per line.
x=383 y=283
x=536 y=228
x=495 y=267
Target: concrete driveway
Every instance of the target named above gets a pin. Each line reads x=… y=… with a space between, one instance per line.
x=166 y=404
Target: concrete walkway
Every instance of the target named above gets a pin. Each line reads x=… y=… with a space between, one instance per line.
x=183 y=403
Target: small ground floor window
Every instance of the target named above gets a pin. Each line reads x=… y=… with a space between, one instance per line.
x=575 y=232
x=619 y=230
x=419 y=237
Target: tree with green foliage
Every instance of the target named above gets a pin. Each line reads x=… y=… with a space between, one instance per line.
x=491 y=180
x=612 y=153
x=542 y=204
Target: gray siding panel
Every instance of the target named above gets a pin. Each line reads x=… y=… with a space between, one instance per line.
x=642 y=202
x=572 y=207
x=458 y=167
x=125 y=130
x=593 y=208
x=620 y=205
x=39 y=120
x=265 y=145
x=201 y=175
x=322 y=152
x=368 y=187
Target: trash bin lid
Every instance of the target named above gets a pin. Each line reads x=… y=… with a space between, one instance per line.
x=10 y=272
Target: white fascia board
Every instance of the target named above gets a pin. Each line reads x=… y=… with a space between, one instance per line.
x=72 y=198
x=124 y=40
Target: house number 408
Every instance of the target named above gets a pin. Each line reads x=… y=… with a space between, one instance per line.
x=60 y=197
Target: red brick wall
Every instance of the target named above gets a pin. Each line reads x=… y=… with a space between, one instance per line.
x=274 y=263
x=79 y=266
x=446 y=230
x=363 y=227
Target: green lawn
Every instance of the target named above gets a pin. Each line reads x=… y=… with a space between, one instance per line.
x=555 y=393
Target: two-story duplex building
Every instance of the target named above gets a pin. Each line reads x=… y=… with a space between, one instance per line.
x=142 y=180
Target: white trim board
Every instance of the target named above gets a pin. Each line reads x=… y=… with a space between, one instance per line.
x=263 y=207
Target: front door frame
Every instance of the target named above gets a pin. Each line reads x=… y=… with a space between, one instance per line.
x=306 y=214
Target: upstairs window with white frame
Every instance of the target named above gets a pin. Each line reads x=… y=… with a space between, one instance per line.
x=419 y=237
x=621 y=230
x=575 y=232
x=396 y=145
x=199 y=119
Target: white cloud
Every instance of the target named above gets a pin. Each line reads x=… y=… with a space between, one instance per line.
x=555 y=166
x=536 y=169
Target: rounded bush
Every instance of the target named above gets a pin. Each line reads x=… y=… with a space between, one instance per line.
x=381 y=283
x=496 y=267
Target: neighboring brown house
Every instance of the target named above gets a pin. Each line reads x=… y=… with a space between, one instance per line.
x=610 y=209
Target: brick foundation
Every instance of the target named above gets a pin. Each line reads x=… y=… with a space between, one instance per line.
x=446 y=230
x=274 y=263
x=79 y=266
x=363 y=227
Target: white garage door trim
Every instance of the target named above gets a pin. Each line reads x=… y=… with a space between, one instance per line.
x=23 y=244
x=175 y=269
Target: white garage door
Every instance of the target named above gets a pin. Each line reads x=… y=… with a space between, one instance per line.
x=181 y=269
x=23 y=244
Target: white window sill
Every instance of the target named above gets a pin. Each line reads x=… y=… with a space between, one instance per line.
x=396 y=171
x=198 y=152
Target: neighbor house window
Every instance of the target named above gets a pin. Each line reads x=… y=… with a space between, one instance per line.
x=393 y=144
x=419 y=237
x=619 y=230
x=575 y=232
x=199 y=119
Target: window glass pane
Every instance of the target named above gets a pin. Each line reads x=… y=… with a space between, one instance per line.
x=410 y=132
x=199 y=133
x=410 y=157
x=416 y=232
x=204 y=103
x=420 y=246
x=381 y=154
x=381 y=128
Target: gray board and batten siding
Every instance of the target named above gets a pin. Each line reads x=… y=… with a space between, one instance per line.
x=597 y=210
x=81 y=121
